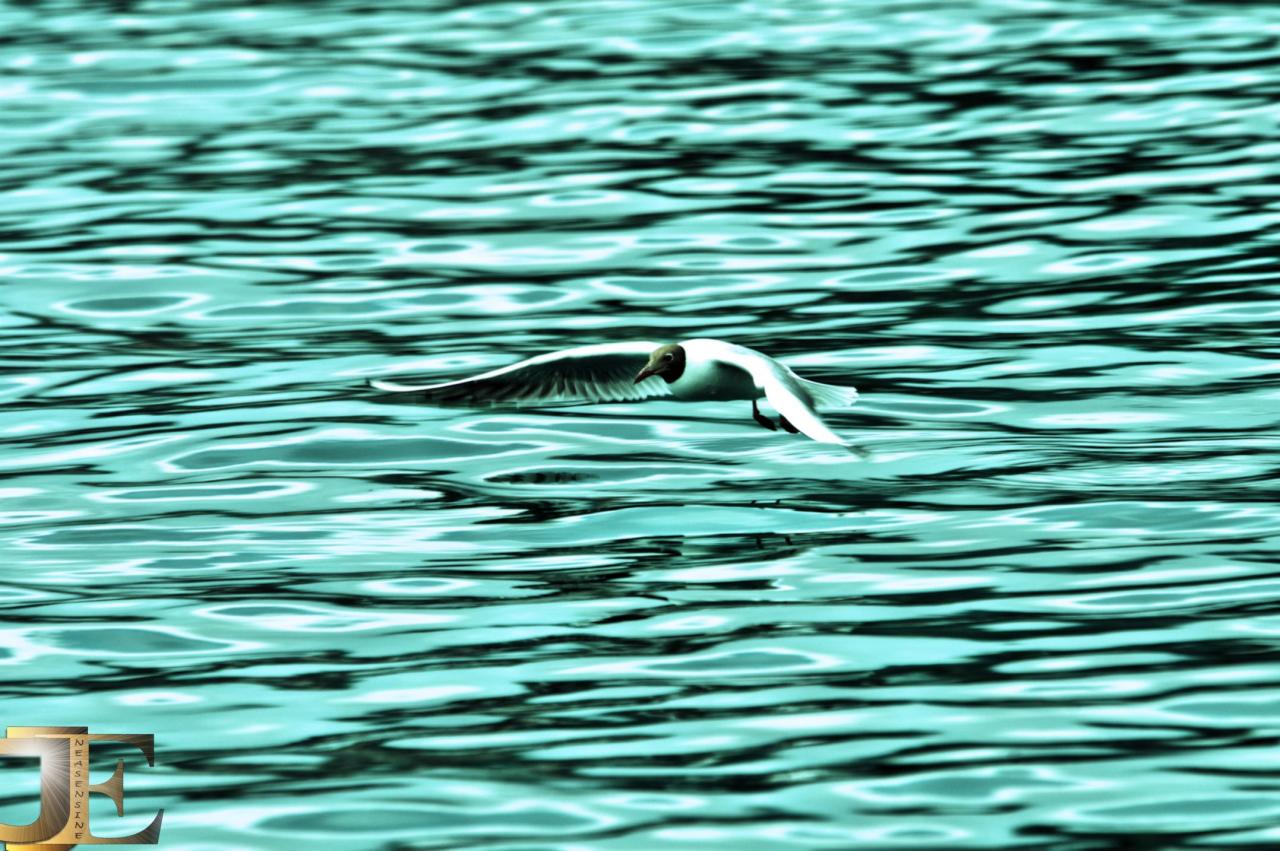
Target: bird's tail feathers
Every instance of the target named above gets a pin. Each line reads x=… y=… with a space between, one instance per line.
x=829 y=395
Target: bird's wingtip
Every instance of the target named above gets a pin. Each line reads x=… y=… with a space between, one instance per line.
x=852 y=448
x=390 y=386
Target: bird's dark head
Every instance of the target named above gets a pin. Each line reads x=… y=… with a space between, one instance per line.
x=667 y=361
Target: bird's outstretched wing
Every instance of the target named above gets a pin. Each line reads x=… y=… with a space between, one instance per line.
x=784 y=396
x=599 y=373
x=786 y=391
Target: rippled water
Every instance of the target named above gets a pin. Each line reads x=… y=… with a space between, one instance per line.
x=1038 y=235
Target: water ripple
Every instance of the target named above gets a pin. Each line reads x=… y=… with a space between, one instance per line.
x=1039 y=237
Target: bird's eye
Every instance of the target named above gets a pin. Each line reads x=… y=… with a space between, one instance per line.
x=667 y=356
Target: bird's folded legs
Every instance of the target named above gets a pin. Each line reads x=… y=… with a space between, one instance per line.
x=761 y=418
x=768 y=423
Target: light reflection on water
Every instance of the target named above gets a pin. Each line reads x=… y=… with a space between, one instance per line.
x=1038 y=237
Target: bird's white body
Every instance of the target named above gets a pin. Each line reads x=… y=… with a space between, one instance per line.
x=710 y=375
x=713 y=370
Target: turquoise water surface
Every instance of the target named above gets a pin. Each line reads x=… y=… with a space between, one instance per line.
x=1040 y=236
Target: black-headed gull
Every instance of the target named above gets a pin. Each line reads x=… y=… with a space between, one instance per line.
x=694 y=370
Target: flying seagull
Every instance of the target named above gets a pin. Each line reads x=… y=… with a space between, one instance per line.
x=700 y=370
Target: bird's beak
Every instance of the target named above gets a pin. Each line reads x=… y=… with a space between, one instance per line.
x=645 y=373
